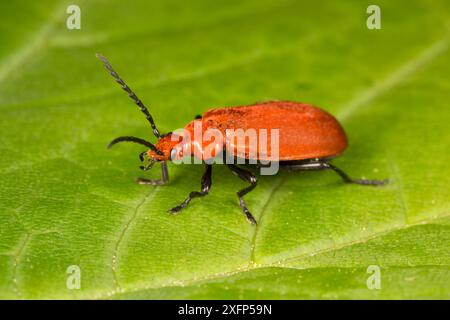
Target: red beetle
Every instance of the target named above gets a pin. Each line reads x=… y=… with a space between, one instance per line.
x=308 y=139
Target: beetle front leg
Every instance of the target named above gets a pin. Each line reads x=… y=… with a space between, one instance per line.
x=205 y=187
x=250 y=178
x=157 y=182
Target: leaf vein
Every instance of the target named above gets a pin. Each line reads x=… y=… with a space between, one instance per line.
x=120 y=238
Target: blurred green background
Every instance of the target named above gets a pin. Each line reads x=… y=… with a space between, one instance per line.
x=65 y=200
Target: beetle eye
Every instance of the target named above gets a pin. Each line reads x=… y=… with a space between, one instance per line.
x=173 y=154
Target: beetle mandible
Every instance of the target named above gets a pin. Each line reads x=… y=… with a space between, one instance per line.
x=309 y=139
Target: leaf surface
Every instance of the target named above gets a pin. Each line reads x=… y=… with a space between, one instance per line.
x=66 y=200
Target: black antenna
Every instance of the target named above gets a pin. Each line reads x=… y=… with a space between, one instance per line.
x=131 y=94
x=135 y=140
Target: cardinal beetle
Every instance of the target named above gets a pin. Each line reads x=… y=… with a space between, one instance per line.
x=309 y=138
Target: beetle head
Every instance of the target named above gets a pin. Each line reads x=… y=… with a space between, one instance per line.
x=164 y=148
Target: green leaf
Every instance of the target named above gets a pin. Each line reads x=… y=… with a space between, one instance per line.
x=65 y=200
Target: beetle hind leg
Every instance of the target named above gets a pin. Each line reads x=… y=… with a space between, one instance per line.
x=324 y=165
x=250 y=178
x=347 y=178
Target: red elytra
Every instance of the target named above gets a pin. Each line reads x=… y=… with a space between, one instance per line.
x=308 y=139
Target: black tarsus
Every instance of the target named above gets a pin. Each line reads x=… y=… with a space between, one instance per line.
x=321 y=164
x=131 y=94
x=249 y=177
x=205 y=187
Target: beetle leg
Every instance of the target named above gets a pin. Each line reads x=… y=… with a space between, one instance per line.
x=323 y=165
x=205 y=187
x=157 y=182
x=250 y=178
x=347 y=179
